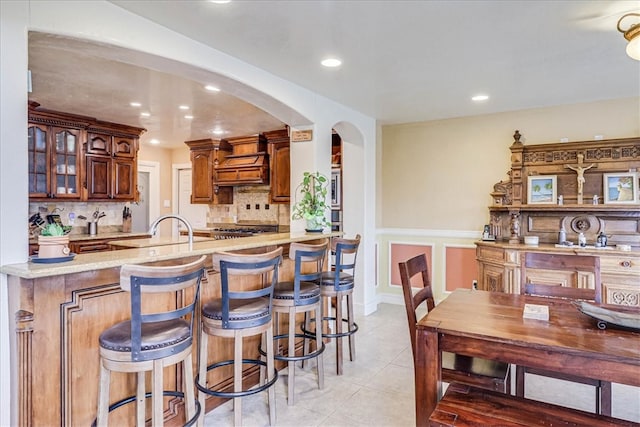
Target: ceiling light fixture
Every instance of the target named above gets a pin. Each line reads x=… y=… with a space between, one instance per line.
x=188 y=116
x=217 y=131
x=135 y=104
x=632 y=34
x=145 y=114
x=154 y=141
x=479 y=98
x=212 y=88
x=331 y=62
x=184 y=107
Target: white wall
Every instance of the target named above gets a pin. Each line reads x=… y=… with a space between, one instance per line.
x=104 y=22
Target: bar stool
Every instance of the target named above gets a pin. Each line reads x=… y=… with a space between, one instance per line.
x=302 y=296
x=151 y=341
x=238 y=314
x=338 y=283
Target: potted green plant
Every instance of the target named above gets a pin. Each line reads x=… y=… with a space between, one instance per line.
x=53 y=242
x=312 y=205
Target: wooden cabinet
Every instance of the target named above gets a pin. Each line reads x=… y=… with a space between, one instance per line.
x=499 y=270
x=205 y=155
x=80 y=158
x=54 y=159
x=279 y=165
x=110 y=162
x=515 y=215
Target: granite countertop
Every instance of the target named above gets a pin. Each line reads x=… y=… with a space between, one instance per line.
x=156 y=241
x=110 y=259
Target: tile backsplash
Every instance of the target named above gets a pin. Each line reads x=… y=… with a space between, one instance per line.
x=251 y=203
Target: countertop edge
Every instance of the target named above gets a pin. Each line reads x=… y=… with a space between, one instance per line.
x=111 y=259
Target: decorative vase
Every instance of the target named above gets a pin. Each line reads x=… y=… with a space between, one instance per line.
x=314 y=225
x=53 y=246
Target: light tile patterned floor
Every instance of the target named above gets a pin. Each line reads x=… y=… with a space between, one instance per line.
x=377 y=388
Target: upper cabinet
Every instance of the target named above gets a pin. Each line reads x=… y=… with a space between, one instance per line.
x=80 y=158
x=588 y=187
x=279 y=165
x=205 y=154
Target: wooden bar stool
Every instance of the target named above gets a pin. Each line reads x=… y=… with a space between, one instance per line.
x=151 y=341
x=238 y=314
x=302 y=296
x=338 y=284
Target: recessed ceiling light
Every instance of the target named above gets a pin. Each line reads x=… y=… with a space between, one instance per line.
x=220 y=1
x=478 y=98
x=184 y=107
x=331 y=62
x=154 y=141
x=212 y=88
x=145 y=114
x=135 y=104
x=188 y=116
x=217 y=131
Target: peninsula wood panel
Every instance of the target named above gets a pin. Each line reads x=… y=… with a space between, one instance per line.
x=58 y=321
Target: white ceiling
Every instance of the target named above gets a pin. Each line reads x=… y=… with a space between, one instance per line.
x=403 y=61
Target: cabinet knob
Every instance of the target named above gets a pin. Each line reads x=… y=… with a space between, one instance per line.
x=625 y=264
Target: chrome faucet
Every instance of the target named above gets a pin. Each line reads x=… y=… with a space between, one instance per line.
x=154 y=226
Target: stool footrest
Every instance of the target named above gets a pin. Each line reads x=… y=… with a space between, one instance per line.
x=147 y=395
x=336 y=335
x=307 y=356
x=233 y=394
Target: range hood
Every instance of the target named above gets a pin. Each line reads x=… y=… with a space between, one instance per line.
x=247 y=165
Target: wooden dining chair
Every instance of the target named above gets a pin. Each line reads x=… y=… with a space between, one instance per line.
x=482 y=373
x=563 y=276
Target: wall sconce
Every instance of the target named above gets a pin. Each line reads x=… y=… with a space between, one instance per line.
x=632 y=34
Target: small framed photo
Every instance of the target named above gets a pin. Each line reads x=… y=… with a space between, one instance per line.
x=542 y=189
x=620 y=187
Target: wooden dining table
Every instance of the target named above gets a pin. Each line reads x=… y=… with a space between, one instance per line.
x=490 y=325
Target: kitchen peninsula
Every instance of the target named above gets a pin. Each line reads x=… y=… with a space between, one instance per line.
x=57 y=312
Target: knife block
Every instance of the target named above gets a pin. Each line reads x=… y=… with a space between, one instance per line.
x=126 y=225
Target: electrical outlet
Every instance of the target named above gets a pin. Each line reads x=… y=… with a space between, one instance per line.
x=257 y=206
x=266 y=206
x=474 y=284
x=248 y=206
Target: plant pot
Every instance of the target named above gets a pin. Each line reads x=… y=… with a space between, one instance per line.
x=53 y=246
x=314 y=225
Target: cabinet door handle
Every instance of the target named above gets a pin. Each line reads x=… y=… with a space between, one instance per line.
x=625 y=263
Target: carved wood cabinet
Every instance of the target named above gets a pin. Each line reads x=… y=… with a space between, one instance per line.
x=579 y=171
x=80 y=158
x=205 y=154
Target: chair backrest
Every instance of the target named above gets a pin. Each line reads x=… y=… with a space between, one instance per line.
x=247 y=264
x=576 y=265
x=139 y=279
x=346 y=252
x=307 y=253
x=408 y=269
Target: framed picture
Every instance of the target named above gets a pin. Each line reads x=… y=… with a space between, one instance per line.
x=620 y=187
x=542 y=189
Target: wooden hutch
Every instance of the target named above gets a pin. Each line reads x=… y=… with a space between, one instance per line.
x=575 y=199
